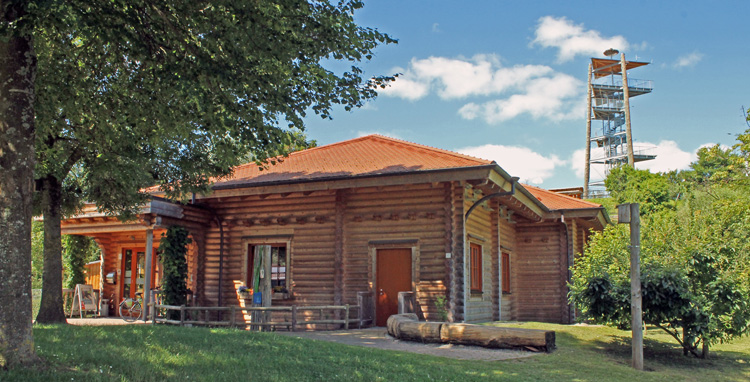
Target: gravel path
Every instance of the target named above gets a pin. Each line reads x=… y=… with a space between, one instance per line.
x=379 y=338
x=100 y=321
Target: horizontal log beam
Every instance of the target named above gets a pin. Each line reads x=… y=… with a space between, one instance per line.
x=406 y=327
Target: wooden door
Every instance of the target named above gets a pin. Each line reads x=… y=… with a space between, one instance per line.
x=133 y=279
x=393 y=276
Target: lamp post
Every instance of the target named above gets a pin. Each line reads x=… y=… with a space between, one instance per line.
x=630 y=213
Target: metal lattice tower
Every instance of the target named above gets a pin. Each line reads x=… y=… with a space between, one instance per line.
x=609 y=93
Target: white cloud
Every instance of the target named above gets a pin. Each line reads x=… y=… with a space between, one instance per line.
x=688 y=60
x=669 y=157
x=436 y=28
x=530 y=166
x=572 y=40
x=555 y=98
x=533 y=89
x=577 y=163
x=404 y=87
x=454 y=78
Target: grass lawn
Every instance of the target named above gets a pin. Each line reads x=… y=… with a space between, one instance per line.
x=149 y=353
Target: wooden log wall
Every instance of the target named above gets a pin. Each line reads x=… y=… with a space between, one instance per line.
x=413 y=215
x=456 y=298
x=308 y=219
x=495 y=269
x=332 y=235
x=479 y=230
x=507 y=236
x=539 y=269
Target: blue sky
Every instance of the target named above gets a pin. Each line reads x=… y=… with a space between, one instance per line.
x=506 y=80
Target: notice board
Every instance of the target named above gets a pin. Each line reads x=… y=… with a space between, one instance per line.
x=83 y=300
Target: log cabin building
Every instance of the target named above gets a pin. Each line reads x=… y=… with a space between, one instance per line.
x=370 y=214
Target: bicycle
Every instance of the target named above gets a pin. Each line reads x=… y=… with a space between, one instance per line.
x=131 y=309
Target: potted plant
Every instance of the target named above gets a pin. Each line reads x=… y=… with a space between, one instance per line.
x=244 y=292
x=279 y=293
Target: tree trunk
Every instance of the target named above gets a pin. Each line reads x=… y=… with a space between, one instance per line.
x=17 y=72
x=704 y=354
x=51 y=308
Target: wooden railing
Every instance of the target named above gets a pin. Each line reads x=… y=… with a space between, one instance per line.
x=261 y=317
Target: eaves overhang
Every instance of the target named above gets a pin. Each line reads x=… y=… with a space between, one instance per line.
x=342 y=181
x=597 y=215
x=503 y=179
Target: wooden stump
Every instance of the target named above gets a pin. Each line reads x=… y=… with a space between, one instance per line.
x=419 y=331
x=394 y=323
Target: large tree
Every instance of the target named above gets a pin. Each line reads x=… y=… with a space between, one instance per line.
x=139 y=93
x=173 y=93
x=17 y=71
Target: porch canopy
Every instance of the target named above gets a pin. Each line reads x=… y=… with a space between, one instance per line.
x=110 y=232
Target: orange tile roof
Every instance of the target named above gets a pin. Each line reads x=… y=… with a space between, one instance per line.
x=368 y=155
x=555 y=201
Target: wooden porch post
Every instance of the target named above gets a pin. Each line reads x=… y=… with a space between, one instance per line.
x=147 y=287
x=266 y=285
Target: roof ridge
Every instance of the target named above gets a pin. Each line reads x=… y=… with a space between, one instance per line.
x=371 y=136
x=430 y=148
x=298 y=153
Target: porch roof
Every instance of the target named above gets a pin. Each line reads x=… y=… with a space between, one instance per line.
x=157 y=212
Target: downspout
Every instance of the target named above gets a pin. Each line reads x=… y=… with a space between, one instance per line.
x=568 y=244
x=221 y=257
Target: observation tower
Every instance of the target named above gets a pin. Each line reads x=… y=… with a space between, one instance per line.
x=608 y=101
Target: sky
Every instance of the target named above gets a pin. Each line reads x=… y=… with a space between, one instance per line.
x=506 y=80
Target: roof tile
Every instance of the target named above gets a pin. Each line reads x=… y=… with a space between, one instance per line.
x=368 y=155
x=557 y=201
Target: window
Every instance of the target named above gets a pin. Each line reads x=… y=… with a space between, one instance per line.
x=506 y=273
x=279 y=269
x=475 y=265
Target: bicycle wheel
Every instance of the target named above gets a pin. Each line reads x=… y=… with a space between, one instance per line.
x=130 y=310
x=136 y=310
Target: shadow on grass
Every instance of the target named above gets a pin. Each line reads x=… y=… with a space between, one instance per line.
x=147 y=353
x=160 y=353
x=658 y=355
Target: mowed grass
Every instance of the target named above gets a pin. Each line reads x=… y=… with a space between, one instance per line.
x=163 y=353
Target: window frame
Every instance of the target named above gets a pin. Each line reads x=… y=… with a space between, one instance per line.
x=475 y=268
x=273 y=241
x=505 y=268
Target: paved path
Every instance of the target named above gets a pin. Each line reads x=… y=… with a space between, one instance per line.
x=379 y=338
